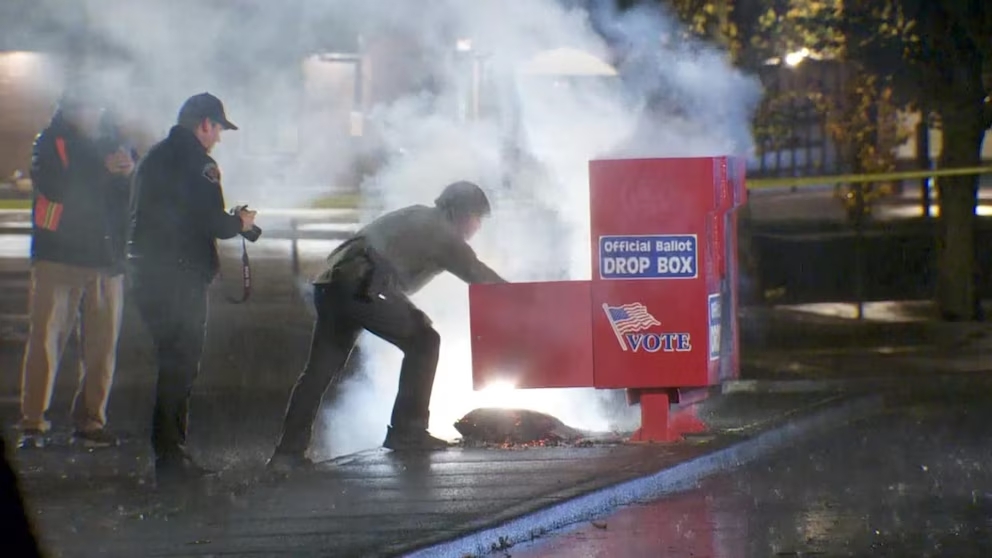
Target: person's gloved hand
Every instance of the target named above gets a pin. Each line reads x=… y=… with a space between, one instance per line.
x=119 y=162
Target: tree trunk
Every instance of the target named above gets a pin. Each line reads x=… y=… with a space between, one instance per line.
x=963 y=132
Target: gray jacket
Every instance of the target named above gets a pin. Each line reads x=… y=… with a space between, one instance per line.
x=404 y=250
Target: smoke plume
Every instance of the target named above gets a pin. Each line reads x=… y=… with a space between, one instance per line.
x=525 y=136
x=680 y=99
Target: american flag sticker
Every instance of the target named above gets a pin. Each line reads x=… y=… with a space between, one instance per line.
x=629 y=318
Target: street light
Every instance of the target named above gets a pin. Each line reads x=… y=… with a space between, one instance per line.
x=793 y=59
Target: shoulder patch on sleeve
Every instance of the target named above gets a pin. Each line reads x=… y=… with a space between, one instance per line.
x=211 y=172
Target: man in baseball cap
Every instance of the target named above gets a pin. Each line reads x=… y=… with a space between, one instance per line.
x=177 y=215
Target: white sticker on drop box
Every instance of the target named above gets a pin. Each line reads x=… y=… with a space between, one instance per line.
x=715 y=320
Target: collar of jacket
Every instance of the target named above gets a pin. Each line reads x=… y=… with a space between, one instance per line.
x=186 y=138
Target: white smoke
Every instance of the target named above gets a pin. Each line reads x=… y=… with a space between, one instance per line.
x=530 y=147
x=540 y=227
x=146 y=57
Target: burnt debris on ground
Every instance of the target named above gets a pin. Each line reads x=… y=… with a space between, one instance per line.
x=521 y=428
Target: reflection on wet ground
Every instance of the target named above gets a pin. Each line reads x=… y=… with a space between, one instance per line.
x=913 y=482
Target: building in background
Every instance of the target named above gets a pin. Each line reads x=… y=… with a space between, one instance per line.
x=26 y=101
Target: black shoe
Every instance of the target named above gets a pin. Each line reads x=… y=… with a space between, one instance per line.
x=412 y=440
x=31 y=438
x=178 y=470
x=285 y=463
x=95 y=438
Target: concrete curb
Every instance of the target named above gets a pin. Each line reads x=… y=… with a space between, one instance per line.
x=954 y=380
x=796 y=386
x=601 y=502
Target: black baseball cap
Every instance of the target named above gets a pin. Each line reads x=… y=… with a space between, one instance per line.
x=205 y=105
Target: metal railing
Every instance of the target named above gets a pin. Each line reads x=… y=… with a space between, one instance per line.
x=295 y=230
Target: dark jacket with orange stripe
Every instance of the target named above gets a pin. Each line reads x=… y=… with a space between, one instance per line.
x=79 y=208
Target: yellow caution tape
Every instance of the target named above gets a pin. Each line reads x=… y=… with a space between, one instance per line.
x=801 y=181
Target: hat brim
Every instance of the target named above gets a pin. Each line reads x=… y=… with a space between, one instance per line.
x=227 y=124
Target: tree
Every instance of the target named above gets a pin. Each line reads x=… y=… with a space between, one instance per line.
x=713 y=20
x=934 y=56
x=776 y=27
x=938 y=56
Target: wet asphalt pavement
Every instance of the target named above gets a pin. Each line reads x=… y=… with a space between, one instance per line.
x=914 y=481
x=102 y=503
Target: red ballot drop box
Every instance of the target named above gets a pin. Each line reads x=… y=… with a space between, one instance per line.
x=658 y=317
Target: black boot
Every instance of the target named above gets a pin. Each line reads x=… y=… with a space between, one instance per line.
x=178 y=469
x=412 y=439
x=286 y=463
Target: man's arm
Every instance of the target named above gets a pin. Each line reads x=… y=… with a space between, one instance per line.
x=208 y=204
x=49 y=180
x=48 y=170
x=460 y=260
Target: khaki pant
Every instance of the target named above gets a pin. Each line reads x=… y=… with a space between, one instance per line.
x=60 y=293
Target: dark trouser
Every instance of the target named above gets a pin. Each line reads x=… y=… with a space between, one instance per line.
x=173 y=305
x=18 y=533
x=341 y=317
